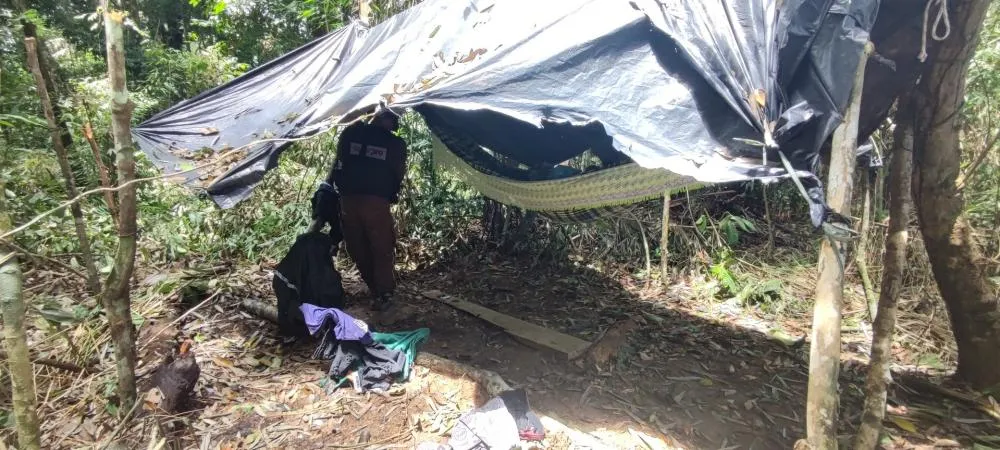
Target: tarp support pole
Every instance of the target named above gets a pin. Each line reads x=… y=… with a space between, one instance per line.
x=365 y=11
x=664 y=239
x=822 y=402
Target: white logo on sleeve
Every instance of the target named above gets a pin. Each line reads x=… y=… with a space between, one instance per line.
x=376 y=152
x=355 y=148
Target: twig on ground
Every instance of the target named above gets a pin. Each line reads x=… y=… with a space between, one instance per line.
x=69 y=367
x=37 y=257
x=121 y=426
x=377 y=443
x=179 y=318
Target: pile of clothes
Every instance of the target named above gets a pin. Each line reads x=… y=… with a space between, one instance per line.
x=502 y=423
x=370 y=360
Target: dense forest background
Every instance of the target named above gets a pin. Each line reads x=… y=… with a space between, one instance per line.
x=745 y=247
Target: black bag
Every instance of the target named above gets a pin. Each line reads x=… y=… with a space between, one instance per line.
x=326 y=209
x=306 y=275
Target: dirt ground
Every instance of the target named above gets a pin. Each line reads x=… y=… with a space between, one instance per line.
x=676 y=375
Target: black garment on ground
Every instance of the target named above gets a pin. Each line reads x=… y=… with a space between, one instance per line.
x=529 y=426
x=306 y=275
x=370 y=161
x=501 y=422
x=376 y=364
x=326 y=209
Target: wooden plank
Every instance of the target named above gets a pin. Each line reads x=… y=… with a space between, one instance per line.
x=572 y=347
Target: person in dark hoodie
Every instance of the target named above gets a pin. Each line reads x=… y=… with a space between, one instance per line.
x=368 y=173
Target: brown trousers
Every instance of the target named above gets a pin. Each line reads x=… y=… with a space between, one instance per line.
x=370 y=236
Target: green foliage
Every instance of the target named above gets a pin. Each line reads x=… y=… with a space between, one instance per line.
x=13 y=120
x=174 y=75
x=435 y=207
x=325 y=15
x=720 y=271
x=732 y=226
x=761 y=292
x=175 y=224
x=726 y=233
x=981 y=135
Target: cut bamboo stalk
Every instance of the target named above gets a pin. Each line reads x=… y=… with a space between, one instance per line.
x=822 y=402
x=117 y=296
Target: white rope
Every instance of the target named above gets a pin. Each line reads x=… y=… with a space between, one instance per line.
x=939 y=20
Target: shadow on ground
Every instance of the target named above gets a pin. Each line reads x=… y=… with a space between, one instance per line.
x=693 y=382
x=700 y=384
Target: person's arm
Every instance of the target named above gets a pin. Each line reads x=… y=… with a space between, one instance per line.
x=399 y=169
x=343 y=146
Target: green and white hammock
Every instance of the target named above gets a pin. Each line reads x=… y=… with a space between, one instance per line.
x=577 y=198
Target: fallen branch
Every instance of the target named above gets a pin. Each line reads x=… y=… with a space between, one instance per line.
x=109 y=443
x=24 y=252
x=971 y=400
x=61 y=365
x=261 y=309
x=179 y=318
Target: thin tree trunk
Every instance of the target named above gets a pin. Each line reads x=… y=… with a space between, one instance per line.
x=664 y=239
x=365 y=11
x=22 y=377
x=822 y=401
x=116 y=297
x=767 y=215
x=49 y=67
x=955 y=257
x=93 y=278
x=645 y=248
x=102 y=171
x=861 y=255
x=892 y=282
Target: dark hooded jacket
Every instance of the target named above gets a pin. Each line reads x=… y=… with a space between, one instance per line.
x=306 y=275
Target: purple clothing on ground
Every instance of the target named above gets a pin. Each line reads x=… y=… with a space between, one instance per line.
x=346 y=327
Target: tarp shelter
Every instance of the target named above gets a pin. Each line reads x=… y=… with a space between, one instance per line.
x=700 y=88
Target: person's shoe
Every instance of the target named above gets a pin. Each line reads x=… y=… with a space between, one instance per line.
x=383 y=303
x=389 y=312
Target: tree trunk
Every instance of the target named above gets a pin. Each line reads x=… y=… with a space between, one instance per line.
x=116 y=297
x=822 y=401
x=57 y=131
x=954 y=255
x=365 y=12
x=22 y=377
x=892 y=282
x=102 y=171
x=861 y=255
x=664 y=240
x=49 y=67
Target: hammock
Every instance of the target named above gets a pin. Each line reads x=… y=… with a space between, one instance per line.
x=577 y=198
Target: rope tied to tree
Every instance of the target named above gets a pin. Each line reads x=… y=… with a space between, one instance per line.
x=940 y=19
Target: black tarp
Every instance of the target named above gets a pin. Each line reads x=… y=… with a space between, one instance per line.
x=677 y=84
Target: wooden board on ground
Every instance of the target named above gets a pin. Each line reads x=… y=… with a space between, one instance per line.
x=571 y=346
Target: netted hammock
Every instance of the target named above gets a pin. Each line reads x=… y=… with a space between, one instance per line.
x=606 y=192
